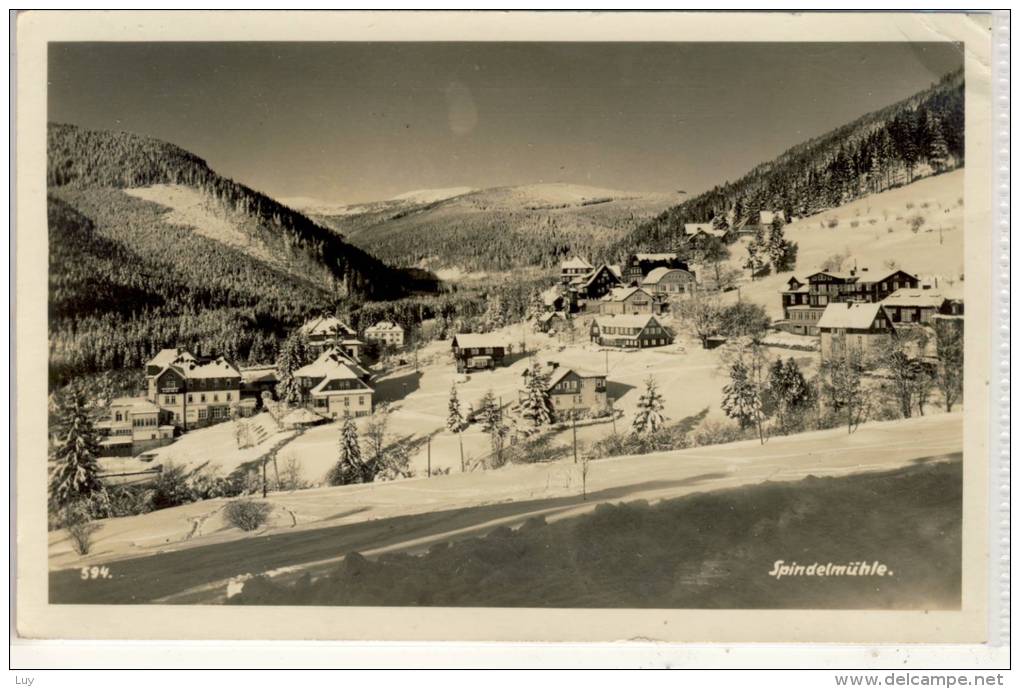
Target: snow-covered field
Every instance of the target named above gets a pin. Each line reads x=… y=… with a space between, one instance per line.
x=551 y=489
x=217 y=445
x=874 y=233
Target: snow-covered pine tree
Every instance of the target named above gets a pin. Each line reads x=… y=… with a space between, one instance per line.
x=536 y=406
x=454 y=419
x=649 y=417
x=349 y=467
x=756 y=253
x=293 y=355
x=938 y=150
x=742 y=399
x=75 y=474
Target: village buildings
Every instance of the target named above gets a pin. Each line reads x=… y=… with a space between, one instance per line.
x=630 y=300
x=669 y=282
x=574 y=268
x=194 y=392
x=134 y=425
x=637 y=266
x=804 y=302
x=477 y=351
x=863 y=327
x=629 y=331
x=328 y=332
x=335 y=385
x=385 y=333
x=909 y=305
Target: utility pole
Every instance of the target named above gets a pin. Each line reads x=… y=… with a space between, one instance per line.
x=428 y=469
x=612 y=412
x=460 y=439
x=573 y=425
x=264 y=462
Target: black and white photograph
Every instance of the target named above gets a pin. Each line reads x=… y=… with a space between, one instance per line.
x=500 y=324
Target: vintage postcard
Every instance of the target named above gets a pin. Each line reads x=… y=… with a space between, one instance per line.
x=508 y=326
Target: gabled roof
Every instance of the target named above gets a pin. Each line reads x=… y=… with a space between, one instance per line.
x=562 y=372
x=332 y=363
x=217 y=368
x=925 y=298
x=170 y=355
x=327 y=326
x=834 y=274
x=656 y=274
x=575 y=263
x=888 y=275
x=473 y=340
x=550 y=296
x=549 y=315
x=626 y=320
x=858 y=316
x=694 y=228
x=595 y=273
x=622 y=293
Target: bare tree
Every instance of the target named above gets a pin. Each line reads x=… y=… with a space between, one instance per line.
x=949 y=369
x=847 y=393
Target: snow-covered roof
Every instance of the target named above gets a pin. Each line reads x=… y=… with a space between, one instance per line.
x=575 y=263
x=926 y=298
x=595 y=273
x=551 y=295
x=766 y=217
x=549 y=315
x=138 y=405
x=656 y=274
x=383 y=326
x=615 y=269
x=561 y=372
x=326 y=326
x=625 y=320
x=474 y=340
x=621 y=293
x=217 y=368
x=858 y=316
x=694 y=228
x=339 y=373
x=258 y=374
x=170 y=355
x=331 y=364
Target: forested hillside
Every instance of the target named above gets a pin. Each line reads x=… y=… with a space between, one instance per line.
x=497 y=229
x=915 y=138
x=127 y=278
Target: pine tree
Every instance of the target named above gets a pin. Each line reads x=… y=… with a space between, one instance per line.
x=743 y=397
x=649 y=417
x=293 y=355
x=756 y=253
x=75 y=474
x=787 y=391
x=938 y=150
x=454 y=419
x=537 y=405
x=492 y=423
x=349 y=467
x=782 y=253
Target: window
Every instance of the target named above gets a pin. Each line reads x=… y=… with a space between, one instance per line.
x=202 y=398
x=347 y=401
x=361 y=400
x=190 y=398
x=228 y=396
x=118 y=416
x=203 y=414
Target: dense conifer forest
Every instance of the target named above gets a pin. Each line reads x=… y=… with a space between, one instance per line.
x=915 y=138
x=126 y=282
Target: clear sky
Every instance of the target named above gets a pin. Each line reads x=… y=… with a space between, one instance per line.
x=349 y=122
